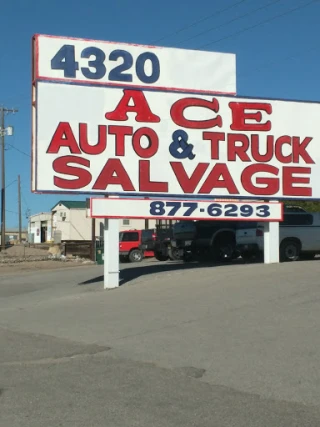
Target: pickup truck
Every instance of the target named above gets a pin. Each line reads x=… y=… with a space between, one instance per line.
x=299 y=237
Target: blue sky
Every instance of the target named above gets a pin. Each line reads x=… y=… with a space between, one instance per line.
x=277 y=57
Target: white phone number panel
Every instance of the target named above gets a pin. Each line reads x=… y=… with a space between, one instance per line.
x=185 y=209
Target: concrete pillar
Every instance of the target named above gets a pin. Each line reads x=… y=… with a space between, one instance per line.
x=111 y=253
x=271 y=242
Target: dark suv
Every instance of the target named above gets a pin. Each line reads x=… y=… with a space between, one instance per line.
x=161 y=236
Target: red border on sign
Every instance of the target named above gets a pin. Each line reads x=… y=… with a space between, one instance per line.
x=184 y=217
x=164 y=88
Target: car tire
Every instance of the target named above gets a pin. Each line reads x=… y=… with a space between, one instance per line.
x=223 y=248
x=160 y=257
x=290 y=250
x=236 y=254
x=187 y=257
x=174 y=254
x=135 y=255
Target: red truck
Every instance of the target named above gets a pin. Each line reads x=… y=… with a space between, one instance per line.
x=129 y=242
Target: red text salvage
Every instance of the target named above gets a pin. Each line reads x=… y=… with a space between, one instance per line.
x=245 y=154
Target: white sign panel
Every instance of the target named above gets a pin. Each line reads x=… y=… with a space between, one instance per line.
x=122 y=141
x=185 y=209
x=131 y=65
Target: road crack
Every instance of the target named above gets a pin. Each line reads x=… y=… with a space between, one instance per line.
x=57 y=360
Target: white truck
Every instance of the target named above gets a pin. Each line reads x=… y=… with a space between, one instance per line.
x=299 y=236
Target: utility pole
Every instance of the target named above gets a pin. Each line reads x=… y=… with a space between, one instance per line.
x=3 y=183
x=19 y=209
x=3 y=132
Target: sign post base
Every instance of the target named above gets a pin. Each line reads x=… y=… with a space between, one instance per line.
x=111 y=253
x=271 y=242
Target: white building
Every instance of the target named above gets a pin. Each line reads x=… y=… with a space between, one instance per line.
x=69 y=220
x=40 y=228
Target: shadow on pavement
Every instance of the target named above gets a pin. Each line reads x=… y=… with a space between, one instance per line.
x=131 y=273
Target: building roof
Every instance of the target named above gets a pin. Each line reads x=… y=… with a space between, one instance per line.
x=72 y=204
x=40 y=213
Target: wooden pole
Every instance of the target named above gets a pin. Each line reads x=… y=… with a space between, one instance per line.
x=19 y=209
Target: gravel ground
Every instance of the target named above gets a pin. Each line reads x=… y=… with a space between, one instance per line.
x=19 y=259
x=19 y=251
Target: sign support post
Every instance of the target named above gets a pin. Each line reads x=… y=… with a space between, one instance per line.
x=111 y=253
x=271 y=242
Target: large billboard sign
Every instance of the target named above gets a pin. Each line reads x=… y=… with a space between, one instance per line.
x=185 y=209
x=120 y=64
x=100 y=140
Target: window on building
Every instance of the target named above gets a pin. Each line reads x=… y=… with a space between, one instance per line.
x=126 y=222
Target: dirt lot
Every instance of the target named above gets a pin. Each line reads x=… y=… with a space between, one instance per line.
x=19 y=259
x=20 y=251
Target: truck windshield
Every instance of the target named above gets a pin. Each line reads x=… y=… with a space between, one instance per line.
x=129 y=236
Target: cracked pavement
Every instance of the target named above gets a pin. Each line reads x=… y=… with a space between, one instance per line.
x=226 y=346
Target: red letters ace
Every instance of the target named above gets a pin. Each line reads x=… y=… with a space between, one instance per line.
x=244 y=156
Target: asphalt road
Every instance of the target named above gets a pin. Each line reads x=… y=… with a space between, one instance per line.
x=173 y=346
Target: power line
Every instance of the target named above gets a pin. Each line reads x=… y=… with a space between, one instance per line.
x=267 y=64
x=17 y=149
x=12 y=139
x=16 y=213
x=186 y=27
x=11 y=183
x=259 y=23
x=229 y=22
